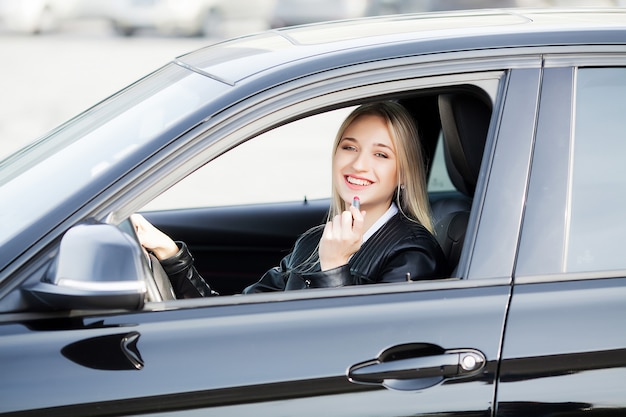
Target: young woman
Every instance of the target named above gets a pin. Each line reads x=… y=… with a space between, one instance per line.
x=377 y=160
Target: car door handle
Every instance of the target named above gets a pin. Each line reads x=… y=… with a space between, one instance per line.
x=416 y=366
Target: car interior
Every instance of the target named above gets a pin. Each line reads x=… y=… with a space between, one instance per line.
x=234 y=245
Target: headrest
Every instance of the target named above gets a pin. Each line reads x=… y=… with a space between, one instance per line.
x=465 y=122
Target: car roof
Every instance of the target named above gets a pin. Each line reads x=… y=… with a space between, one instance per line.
x=425 y=33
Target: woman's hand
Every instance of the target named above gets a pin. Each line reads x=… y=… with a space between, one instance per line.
x=341 y=238
x=153 y=239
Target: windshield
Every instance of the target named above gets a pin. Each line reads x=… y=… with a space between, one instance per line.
x=47 y=176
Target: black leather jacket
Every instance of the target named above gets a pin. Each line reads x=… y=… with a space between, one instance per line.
x=400 y=250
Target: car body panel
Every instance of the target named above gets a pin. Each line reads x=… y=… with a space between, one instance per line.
x=410 y=36
x=551 y=164
x=539 y=339
x=579 y=366
x=507 y=180
x=564 y=349
x=209 y=350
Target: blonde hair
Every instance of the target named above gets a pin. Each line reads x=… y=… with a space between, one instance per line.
x=411 y=195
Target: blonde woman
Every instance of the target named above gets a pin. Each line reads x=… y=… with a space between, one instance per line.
x=377 y=164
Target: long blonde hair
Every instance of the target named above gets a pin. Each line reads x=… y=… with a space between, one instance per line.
x=411 y=195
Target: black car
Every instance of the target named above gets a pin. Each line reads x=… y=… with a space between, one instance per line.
x=522 y=119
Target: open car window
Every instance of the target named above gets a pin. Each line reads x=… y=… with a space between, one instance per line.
x=241 y=213
x=289 y=163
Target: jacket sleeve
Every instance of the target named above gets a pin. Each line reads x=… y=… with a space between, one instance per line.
x=400 y=267
x=278 y=279
x=336 y=277
x=413 y=264
x=273 y=280
x=185 y=279
x=288 y=275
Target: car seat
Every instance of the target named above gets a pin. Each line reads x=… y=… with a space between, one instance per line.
x=465 y=123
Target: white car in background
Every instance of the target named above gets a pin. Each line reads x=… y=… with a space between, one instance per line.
x=37 y=17
x=298 y=12
x=209 y=18
x=34 y=16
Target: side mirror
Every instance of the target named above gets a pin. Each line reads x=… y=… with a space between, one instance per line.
x=98 y=266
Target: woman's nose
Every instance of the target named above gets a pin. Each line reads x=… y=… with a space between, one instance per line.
x=360 y=162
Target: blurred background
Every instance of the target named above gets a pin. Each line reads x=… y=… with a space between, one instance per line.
x=59 y=57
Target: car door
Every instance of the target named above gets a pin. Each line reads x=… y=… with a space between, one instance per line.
x=415 y=348
x=565 y=347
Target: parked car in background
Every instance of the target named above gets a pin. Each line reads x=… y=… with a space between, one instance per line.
x=298 y=12
x=582 y=3
x=441 y=5
x=188 y=17
x=383 y=7
x=521 y=119
x=386 y=7
x=35 y=16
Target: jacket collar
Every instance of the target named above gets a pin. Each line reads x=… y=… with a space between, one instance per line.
x=391 y=211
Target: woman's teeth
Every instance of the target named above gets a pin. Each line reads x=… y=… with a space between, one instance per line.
x=357 y=181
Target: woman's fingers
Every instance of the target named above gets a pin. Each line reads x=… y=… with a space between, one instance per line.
x=341 y=238
x=328 y=230
x=153 y=239
x=358 y=220
x=346 y=225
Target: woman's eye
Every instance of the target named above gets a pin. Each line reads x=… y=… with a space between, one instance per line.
x=381 y=155
x=348 y=148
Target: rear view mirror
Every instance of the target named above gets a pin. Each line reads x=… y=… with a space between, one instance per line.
x=98 y=266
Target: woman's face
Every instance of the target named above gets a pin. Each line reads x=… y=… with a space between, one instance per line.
x=365 y=165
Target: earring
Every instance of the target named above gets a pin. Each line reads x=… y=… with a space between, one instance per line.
x=402 y=186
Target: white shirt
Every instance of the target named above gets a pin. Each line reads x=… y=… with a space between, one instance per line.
x=393 y=209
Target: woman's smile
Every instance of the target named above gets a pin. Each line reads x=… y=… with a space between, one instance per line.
x=357 y=183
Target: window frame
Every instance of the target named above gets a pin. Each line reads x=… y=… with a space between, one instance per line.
x=545 y=232
x=496 y=93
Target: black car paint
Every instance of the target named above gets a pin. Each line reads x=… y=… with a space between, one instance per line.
x=553 y=345
x=325 y=336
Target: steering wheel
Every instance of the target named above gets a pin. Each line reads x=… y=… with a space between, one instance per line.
x=164 y=289
x=161 y=280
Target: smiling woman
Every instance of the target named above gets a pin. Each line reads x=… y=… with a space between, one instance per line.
x=376 y=157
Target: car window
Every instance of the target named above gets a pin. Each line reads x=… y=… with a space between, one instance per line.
x=438 y=179
x=574 y=219
x=597 y=223
x=289 y=163
x=168 y=100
